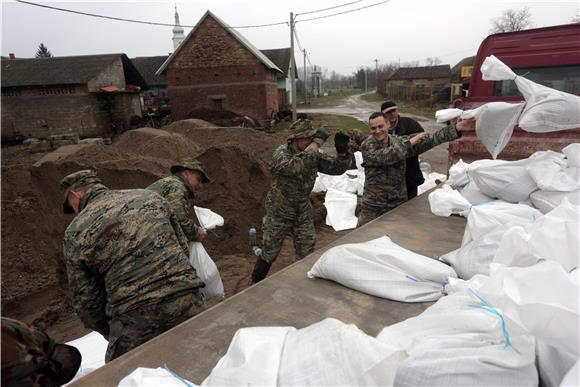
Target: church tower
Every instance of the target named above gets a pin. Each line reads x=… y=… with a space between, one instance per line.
x=178 y=35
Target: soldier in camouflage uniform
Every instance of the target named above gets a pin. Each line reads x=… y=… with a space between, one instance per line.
x=384 y=160
x=178 y=189
x=127 y=263
x=294 y=168
x=30 y=358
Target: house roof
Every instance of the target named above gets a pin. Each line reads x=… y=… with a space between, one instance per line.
x=263 y=58
x=281 y=58
x=64 y=70
x=440 y=71
x=148 y=65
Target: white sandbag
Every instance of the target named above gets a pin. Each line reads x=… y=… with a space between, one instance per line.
x=445 y=115
x=546 y=201
x=509 y=181
x=327 y=353
x=553 y=173
x=572 y=153
x=446 y=201
x=553 y=364
x=495 y=123
x=340 y=209
x=153 y=377
x=252 y=359
x=92 y=347
x=476 y=256
x=331 y=353
x=207 y=218
x=572 y=378
x=431 y=181
x=462 y=341
x=459 y=173
x=342 y=182
x=384 y=269
x=206 y=270
x=487 y=216
x=473 y=194
x=546 y=110
x=554 y=236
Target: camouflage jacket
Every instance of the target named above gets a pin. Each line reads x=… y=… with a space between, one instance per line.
x=294 y=173
x=26 y=355
x=181 y=200
x=385 y=166
x=124 y=250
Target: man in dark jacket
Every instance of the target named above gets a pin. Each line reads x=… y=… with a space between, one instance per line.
x=405 y=126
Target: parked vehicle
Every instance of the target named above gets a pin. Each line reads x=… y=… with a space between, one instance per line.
x=549 y=56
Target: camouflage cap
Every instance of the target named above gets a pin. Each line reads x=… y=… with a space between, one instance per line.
x=301 y=129
x=77 y=180
x=192 y=165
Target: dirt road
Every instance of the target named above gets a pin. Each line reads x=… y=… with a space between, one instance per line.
x=354 y=106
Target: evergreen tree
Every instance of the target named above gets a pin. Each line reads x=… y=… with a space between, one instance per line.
x=43 y=52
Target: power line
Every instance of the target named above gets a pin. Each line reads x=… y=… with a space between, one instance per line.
x=133 y=20
x=326 y=9
x=344 y=12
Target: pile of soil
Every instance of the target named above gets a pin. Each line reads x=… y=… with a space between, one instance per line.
x=34 y=286
x=218 y=117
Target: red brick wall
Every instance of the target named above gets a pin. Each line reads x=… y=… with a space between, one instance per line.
x=211 y=65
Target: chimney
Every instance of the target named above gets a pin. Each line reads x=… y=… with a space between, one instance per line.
x=12 y=56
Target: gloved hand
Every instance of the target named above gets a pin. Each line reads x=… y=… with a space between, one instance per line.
x=321 y=135
x=341 y=140
x=261 y=270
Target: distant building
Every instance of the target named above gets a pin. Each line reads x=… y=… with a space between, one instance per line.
x=93 y=95
x=155 y=97
x=461 y=77
x=419 y=83
x=215 y=67
x=281 y=58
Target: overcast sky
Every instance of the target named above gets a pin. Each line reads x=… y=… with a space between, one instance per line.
x=398 y=30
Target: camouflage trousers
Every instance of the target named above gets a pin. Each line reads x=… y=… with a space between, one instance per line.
x=131 y=329
x=282 y=220
x=369 y=212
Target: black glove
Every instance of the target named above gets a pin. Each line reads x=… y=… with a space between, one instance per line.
x=261 y=270
x=341 y=142
x=321 y=135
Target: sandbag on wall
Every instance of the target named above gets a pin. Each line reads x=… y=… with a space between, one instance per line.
x=446 y=201
x=384 y=269
x=340 y=209
x=546 y=201
x=546 y=110
x=327 y=353
x=459 y=341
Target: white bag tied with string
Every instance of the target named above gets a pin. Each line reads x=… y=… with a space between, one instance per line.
x=547 y=109
x=153 y=377
x=572 y=153
x=340 y=209
x=446 y=201
x=384 y=269
x=462 y=340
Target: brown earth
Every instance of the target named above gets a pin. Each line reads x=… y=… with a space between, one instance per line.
x=33 y=277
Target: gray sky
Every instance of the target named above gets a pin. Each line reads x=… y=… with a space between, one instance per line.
x=405 y=30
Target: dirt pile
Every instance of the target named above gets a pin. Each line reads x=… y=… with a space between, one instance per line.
x=221 y=117
x=33 y=277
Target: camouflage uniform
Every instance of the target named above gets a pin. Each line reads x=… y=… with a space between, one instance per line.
x=288 y=206
x=26 y=355
x=127 y=264
x=385 y=170
x=181 y=197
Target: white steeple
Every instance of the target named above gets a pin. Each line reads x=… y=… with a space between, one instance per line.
x=178 y=35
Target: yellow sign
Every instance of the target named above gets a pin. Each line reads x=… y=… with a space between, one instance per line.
x=466 y=71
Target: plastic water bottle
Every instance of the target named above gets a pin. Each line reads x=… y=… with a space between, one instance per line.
x=252 y=237
x=425 y=167
x=257 y=251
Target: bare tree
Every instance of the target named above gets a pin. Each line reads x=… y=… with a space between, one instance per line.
x=512 y=20
x=432 y=61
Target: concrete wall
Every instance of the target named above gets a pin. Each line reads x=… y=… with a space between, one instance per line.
x=213 y=70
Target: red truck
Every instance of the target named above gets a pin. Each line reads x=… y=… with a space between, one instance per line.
x=549 y=56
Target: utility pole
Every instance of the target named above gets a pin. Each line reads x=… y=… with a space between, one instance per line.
x=377 y=74
x=292 y=70
x=366 y=81
x=305 y=84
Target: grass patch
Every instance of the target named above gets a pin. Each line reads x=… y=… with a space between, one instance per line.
x=335 y=97
x=373 y=98
x=419 y=109
x=336 y=122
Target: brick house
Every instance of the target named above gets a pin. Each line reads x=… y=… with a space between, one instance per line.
x=215 y=67
x=418 y=83
x=281 y=58
x=461 y=77
x=93 y=95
